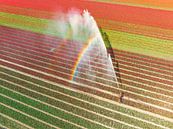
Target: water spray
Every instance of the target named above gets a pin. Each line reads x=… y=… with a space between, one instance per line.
x=81 y=28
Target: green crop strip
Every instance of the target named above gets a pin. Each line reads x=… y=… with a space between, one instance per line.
x=10 y=123
x=49 y=109
x=20 y=117
x=37 y=25
x=141 y=44
x=119 y=40
x=90 y=99
x=36 y=113
x=65 y=106
x=23 y=22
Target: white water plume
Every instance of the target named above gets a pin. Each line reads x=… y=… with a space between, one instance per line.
x=92 y=62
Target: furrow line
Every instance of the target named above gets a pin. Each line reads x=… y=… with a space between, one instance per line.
x=89 y=111
x=167 y=110
x=92 y=95
x=42 y=111
x=28 y=115
x=83 y=100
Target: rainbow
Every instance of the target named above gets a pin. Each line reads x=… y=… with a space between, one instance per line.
x=79 y=57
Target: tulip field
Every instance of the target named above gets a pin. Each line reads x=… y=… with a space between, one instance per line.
x=36 y=91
